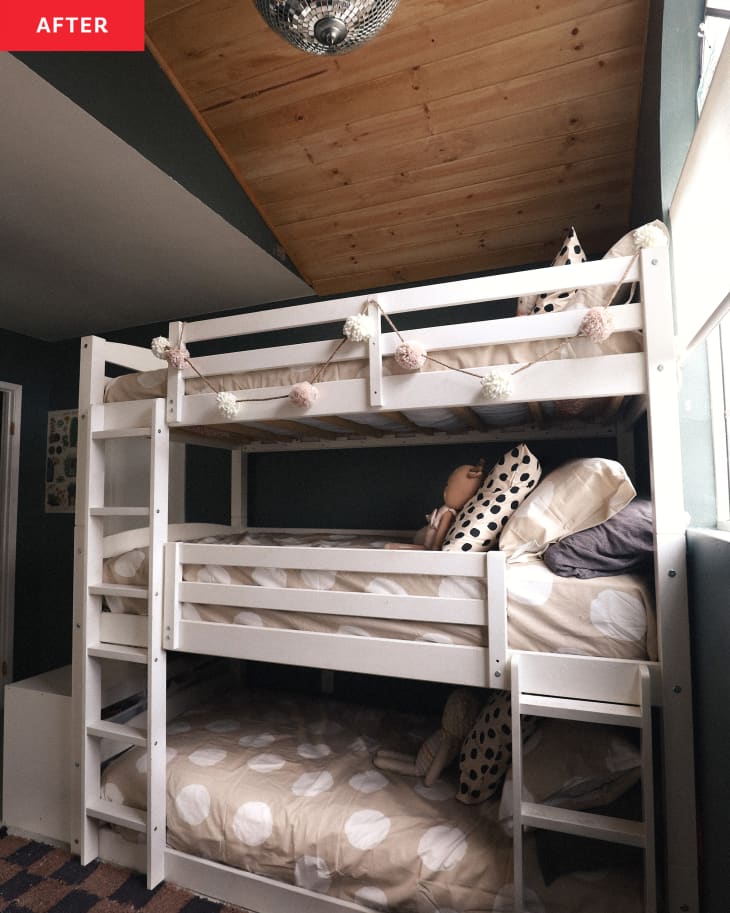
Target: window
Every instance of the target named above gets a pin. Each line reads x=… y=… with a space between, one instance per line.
x=713 y=32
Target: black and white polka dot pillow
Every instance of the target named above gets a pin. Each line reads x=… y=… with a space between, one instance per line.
x=478 y=525
x=486 y=753
x=549 y=302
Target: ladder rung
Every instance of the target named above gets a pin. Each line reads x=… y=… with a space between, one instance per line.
x=114 y=433
x=119 y=512
x=118 y=732
x=584 y=824
x=119 y=589
x=118 y=652
x=588 y=711
x=114 y=813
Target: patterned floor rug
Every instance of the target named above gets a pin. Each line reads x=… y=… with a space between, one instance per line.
x=36 y=878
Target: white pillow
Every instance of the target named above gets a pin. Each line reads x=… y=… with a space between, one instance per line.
x=576 y=496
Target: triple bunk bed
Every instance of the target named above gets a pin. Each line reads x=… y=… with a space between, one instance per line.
x=252 y=810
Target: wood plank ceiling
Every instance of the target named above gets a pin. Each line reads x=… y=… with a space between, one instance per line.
x=467 y=136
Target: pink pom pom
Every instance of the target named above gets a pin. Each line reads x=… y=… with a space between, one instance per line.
x=410 y=355
x=303 y=394
x=597 y=325
x=176 y=356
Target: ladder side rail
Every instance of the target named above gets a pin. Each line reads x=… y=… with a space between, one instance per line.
x=88 y=559
x=156 y=660
x=671 y=584
x=647 y=793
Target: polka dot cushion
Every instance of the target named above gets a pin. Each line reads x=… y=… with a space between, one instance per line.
x=547 y=302
x=486 y=754
x=478 y=525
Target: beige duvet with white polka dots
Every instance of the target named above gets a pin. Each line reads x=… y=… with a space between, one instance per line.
x=286 y=788
x=602 y=616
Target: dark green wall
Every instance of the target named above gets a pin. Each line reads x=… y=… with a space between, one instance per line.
x=709 y=575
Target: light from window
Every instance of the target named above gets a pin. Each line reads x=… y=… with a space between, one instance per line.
x=713 y=32
x=718 y=352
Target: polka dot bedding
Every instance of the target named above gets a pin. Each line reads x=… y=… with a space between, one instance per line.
x=284 y=786
x=599 y=617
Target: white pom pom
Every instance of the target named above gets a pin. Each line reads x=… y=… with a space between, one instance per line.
x=410 y=355
x=227 y=404
x=649 y=236
x=303 y=394
x=159 y=346
x=496 y=384
x=358 y=328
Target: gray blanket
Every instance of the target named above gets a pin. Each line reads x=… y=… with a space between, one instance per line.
x=623 y=544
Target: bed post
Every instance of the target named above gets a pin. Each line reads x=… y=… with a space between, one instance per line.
x=498 y=652
x=175 y=379
x=375 y=354
x=671 y=584
x=239 y=489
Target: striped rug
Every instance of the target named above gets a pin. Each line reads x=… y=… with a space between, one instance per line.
x=36 y=878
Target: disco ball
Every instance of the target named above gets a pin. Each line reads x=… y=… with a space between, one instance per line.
x=326 y=26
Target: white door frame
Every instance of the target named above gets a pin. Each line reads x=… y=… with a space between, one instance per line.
x=9 y=466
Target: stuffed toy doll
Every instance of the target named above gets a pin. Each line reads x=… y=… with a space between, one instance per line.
x=462 y=484
x=440 y=748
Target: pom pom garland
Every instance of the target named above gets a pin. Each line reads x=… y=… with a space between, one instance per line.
x=159 y=346
x=358 y=328
x=597 y=325
x=496 y=384
x=410 y=355
x=227 y=404
x=303 y=394
x=649 y=236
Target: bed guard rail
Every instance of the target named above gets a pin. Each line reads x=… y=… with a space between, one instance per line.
x=476 y=665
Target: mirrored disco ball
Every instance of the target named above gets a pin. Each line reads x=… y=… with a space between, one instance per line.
x=326 y=26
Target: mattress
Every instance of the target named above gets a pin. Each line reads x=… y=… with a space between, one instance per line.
x=602 y=616
x=284 y=786
x=151 y=384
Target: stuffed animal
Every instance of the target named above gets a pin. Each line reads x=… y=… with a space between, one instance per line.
x=462 y=484
x=440 y=748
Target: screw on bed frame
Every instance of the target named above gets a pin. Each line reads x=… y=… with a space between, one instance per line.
x=498 y=674
x=677 y=689
x=672 y=573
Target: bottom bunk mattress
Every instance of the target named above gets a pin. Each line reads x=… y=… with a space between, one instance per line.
x=285 y=787
x=602 y=616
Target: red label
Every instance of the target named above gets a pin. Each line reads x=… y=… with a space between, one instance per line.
x=71 y=25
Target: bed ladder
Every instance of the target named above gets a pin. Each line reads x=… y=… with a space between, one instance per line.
x=591 y=690
x=98 y=739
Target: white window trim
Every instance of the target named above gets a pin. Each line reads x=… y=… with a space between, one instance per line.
x=718 y=345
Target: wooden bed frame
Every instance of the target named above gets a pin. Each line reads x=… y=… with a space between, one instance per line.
x=646 y=377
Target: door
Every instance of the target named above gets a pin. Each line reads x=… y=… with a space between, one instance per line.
x=10 y=399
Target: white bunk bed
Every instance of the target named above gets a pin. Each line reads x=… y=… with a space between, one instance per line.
x=353 y=399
